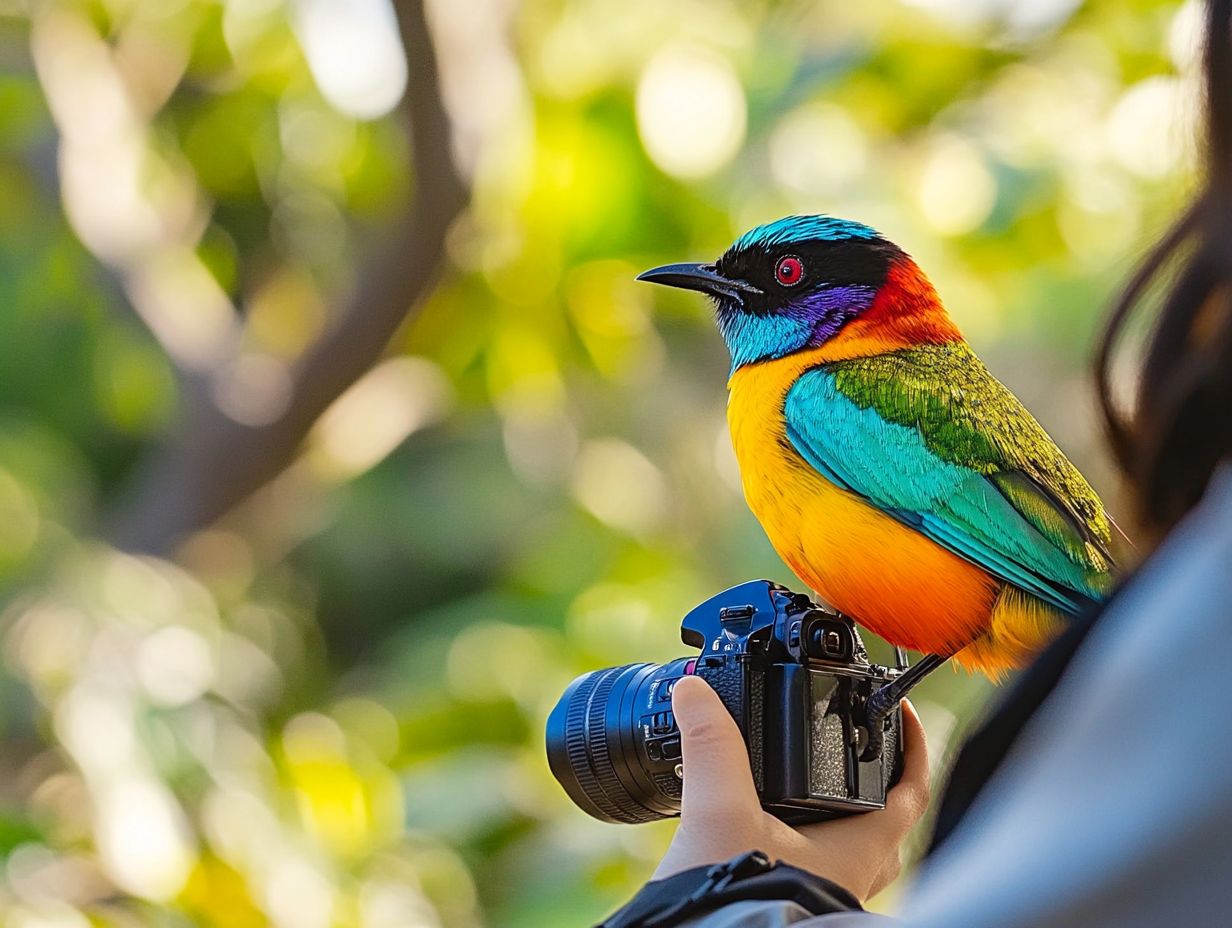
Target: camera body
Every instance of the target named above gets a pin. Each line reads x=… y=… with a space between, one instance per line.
x=794 y=676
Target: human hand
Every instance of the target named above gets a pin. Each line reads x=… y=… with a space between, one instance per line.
x=721 y=816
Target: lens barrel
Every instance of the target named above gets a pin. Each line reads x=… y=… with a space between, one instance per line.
x=596 y=742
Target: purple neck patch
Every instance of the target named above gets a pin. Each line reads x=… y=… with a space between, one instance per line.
x=829 y=310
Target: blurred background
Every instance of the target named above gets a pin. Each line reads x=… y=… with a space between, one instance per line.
x=336 y=436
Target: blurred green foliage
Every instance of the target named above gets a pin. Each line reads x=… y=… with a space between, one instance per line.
x=327 y=709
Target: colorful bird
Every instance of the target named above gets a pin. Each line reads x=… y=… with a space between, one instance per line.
x=891 y=471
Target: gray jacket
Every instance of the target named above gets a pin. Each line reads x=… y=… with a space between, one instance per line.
x=1114 y=806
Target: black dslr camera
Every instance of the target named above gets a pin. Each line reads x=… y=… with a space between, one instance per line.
x=795 y=677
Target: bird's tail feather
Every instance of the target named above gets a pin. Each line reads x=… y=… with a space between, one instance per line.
x=1020 y=625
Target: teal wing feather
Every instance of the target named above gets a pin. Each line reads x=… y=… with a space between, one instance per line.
x=931 y=438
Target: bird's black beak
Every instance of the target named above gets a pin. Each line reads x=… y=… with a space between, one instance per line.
x=702 y=277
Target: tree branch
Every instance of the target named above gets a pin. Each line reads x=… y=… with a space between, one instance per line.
x=210 y=462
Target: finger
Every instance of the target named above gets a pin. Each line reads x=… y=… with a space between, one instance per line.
x=717 y=778
x=910 y=794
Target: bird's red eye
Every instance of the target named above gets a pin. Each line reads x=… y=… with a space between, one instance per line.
x=789 y=271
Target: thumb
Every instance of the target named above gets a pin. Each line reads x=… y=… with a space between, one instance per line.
x=717 y=778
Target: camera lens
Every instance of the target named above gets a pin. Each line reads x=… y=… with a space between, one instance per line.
x=598 y=745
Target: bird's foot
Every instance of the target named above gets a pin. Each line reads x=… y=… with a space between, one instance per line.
x=883 y=700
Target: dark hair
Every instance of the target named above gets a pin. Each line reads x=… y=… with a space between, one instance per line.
x=1180 y=426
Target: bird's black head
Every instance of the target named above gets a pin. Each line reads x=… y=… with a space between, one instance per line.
x=788 y=285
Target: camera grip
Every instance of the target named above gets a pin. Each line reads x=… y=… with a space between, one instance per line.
x=726 y=678
x=742 y=690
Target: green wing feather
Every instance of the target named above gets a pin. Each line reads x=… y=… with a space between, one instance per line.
x=966 y=417
x=928 y=436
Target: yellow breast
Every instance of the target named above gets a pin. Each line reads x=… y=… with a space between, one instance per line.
x=892 y=579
